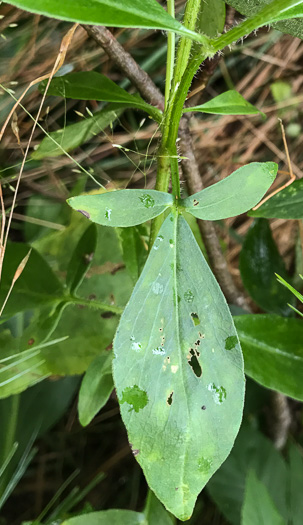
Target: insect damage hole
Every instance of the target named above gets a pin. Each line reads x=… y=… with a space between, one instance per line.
x=194 y=363
x=195 y=318
x=170 y=399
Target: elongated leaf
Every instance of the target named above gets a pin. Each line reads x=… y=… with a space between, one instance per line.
x=108 y=517
x=178 y=370
x=113 y=13
x=297 y=294
x=74 y=135
x=273 y=351
x=155 y=513
x=259 y=261
x=97 y=385
x=90 y=85
x=81 y=259
x=288 y=204
x=134 y=250
x=123 y=207
x=234 y=195
x=296 y=484
x=212 y=17
x=252 y=7
x=228 y=103
x=258 y=506
x=252 y=450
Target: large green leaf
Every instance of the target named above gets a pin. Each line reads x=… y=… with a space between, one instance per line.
x=287 y=204
x=252 y=7
x=96 y=387
x=259 y=261
x=90 y=85
x=273 y=351
x=254 y=451
x=228 y=103
x=122 y=207
x=70 y=137
x=233 y=195
x=178 y=370
x=116 y=13
x=258 y=506
x=109 y=517
x=212 y=17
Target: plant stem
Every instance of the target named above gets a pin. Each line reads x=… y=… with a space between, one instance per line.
x=190 y=19
x=94 y=304
x=171 y=41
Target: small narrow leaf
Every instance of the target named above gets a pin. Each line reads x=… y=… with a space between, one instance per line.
x=273 y=352
x=96 y=387
x=233 y=195
x=81 y=259
x=287 y=204
x=259 y=261
x=134 y=249
x=112 y=13
x=295 y=484
x=69 y=138
x=258 y=506
x=90 y=85
x=122 y=207
x=228 y=103
x=178 y=370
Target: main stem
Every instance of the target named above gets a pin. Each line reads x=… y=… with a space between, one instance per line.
x=171 y=42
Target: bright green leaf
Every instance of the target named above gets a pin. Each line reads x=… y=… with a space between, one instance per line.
x=233 y=195
x=90 y=85
x=258 y=506
x=280 y=90
x=112 y=13
x=96 y=387
x=108 y=517
x=228 y=103
x=178 y=370
x=81 y=259
x=212 y=17
x=273 y=351
x=287 y=204
x=259 y=261
x=122 y=207
x=70 y=137
x=297 y=294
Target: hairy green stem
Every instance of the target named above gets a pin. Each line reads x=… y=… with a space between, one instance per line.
x=94 y=304
x=171 y=42
x=190 y=19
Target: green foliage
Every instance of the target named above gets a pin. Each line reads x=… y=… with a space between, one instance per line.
x=248 y=183
x=297 y=294
x=106 y=517
x=258 y=506
x=123 y=207
x=272 y=355
x=179 y=349
x=228 y=103
x=259 y=261
x=287 y=204
x=211 y=17
x=81 y=259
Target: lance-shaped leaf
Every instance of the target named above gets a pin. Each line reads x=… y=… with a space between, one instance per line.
x=178 y=370
x=81 y=259
x=273 y=351
x=287 y=204
x=108 y=517
x=236 y=194
x=258 y=506
x=122 y=207
x=90 y=85
x=113 y=13
x=228 y=103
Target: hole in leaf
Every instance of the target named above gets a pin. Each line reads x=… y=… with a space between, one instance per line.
x=147 y=201
x=203 y=407
x=195 y=202
x=195 y=318
x=135 y=397
x=170 y=398
x=230 y=342
x=107 y=315
x=194 y=363
x=189 y=296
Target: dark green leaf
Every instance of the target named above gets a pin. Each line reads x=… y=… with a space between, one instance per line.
x=81 y=259
x=70 y=137
x=122 y=207
x=178 y=368
x=233 y=195
x=36 y=286
x=134 y=250
x=44 y=211
x=212 y=17
x=258 y=506
x=97 y=385
x=112 y=13
x=259 y=261
x=228 y=103
x=155 y=513
x=108 y=517
x=273 y=352
x=287 y=204
x=252 y=7
x=295 y=484
x=251 y=451
x=90 y=85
